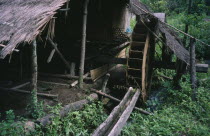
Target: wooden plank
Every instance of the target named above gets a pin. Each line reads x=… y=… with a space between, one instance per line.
x=125 y=115
x=107 y=124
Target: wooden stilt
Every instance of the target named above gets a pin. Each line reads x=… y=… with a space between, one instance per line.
x=72 y=70
x=193 y=68
x=82 y=61
x=34 y=70
x=106 y=78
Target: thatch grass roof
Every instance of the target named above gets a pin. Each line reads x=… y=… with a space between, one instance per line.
x=22 y=20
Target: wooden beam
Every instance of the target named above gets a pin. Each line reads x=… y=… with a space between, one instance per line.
x=200 y=68
x=117 y=100
x=63 y=76
x=54 y=45
x=125 y=115
x=28 y=92
x=83 y=46
x=103 y=129
x=21 y=85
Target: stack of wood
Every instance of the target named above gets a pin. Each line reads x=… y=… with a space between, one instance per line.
x=113 y=125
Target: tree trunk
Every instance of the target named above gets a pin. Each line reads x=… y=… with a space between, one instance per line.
x=83 y=46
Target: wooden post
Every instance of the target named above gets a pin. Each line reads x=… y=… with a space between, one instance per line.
x=106 y=78
x=193 y=68
x=83 y=46
x=72 y=70
x=34 y=70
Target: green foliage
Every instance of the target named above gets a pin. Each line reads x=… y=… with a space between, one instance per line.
x=10 y=127
x=177 y=115
x=78 y=123
x=36 y=112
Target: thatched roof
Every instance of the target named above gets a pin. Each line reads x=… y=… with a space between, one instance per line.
x=22 y=20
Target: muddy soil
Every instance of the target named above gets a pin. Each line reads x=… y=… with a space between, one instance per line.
x=19 y=101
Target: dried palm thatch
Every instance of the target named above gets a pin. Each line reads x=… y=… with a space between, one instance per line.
x=23 y=20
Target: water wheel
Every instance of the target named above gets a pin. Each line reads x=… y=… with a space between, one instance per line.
x=139 y=60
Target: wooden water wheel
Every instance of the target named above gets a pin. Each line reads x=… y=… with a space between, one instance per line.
x=139 y=60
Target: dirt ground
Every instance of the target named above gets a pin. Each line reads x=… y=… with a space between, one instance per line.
x=19 y=101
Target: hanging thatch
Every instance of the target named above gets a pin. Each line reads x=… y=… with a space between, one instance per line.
x=23 y=20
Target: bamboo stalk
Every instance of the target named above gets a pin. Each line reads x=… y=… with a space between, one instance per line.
x=83 y=46
x=21 y=85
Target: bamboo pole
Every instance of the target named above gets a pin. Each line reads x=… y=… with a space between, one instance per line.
x=34 y=74
x=117 y=100
x=83 y=46
x=52 y=96
x=193 y=68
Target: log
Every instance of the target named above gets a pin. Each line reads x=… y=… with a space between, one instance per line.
x=28 y=92
x=76 y=82
x=107 y=124
x=21 y=85
x=125 y=115
x=59 y=53
x=64 y=76
x=117 y=100
x=202 y=68
x=83 y=46
x=68 y=108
